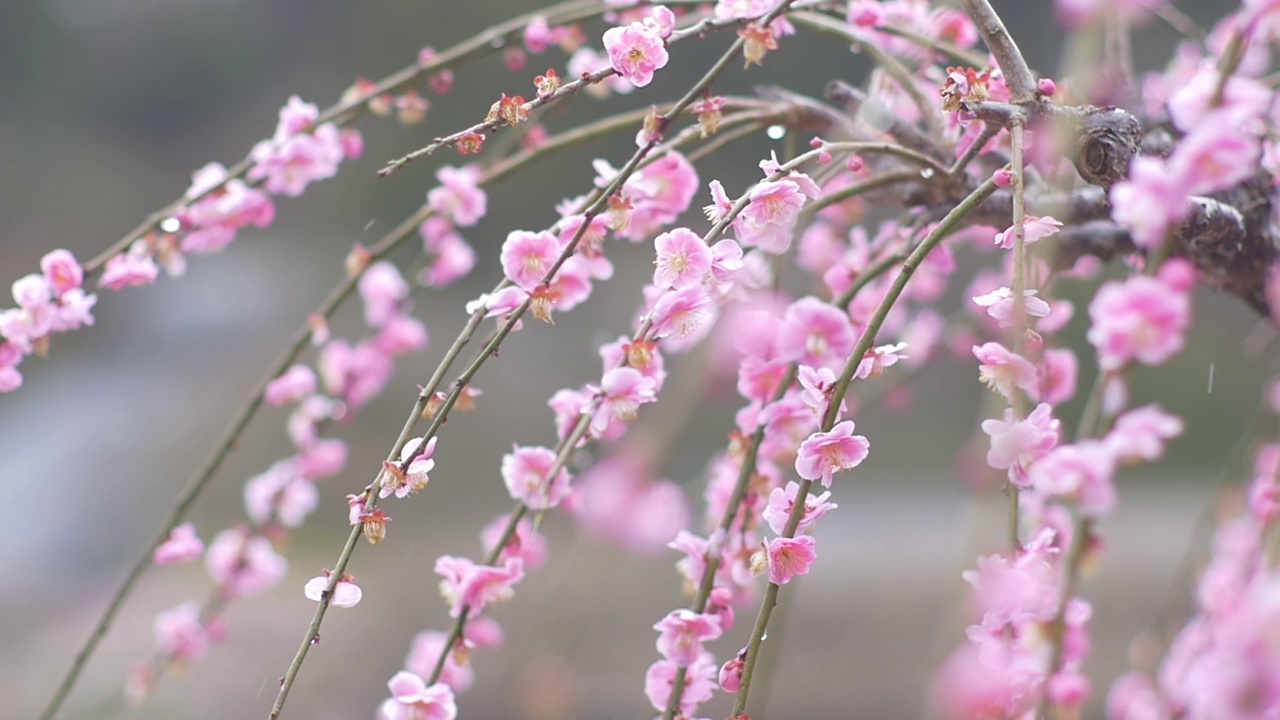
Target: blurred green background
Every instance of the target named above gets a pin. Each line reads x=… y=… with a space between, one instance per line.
x=107 y=106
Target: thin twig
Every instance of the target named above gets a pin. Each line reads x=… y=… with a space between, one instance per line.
x=1022 y=85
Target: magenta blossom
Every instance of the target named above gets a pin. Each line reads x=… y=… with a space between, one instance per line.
x=825 y=453
x=636 y=52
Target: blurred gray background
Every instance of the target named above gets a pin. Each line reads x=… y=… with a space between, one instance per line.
x=107 y=106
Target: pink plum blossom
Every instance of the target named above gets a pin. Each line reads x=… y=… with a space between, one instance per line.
x=402 y=481
x=10 y=377
x=825 y=453
x=1140 y=434
x=1034 y=229
x=296 y=383
x=1082 y=473
x=182 y=545
x=772 y=211
x=321 y=459
x=1150 y=202
x=527 y=256
x=61 y=271
x=586 y=60
x=680 y=314
x=730 y=677
x=815 y=333
x=726 y=259
x=129 y=268
x=1195 y=100
x=1133 y=696
x=382 y=289
x=355 y=374
x=618 y=500
x=658 y=192
x=683 y=259
x=1056 y=378
x=458 y=197
x=345 y=594
x=242 y=565
x=1016 y=444
x=789 y=557
x=635 y=52
x=878 y=359
x=682 y=634
x=1000 y=306
x=400 y=334
x=412 y=699
x=1213 y=157
x=426 y=649
x=472 y=586
x=538 y=36
x=180 y=633
x=287 y=165
x=1003 y=370
x=524 y=471
x=1141 y=319
x=524 y=543
x=817 y=388
x=782 y=502
x=623 y=390
x=641 y=355
x=699 y=686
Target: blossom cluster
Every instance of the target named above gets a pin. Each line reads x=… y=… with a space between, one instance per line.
x=799 y=358
x=244 y=561
x=1226 y=129
x=50 y=302
x=1219 y=664
x=207 y=220
x=1030 y=643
